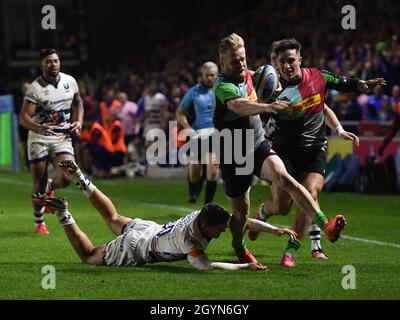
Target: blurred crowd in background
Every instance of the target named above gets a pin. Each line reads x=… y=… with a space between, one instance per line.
x=145 y=87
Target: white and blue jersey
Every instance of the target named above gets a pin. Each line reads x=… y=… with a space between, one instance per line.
x=53 y=105
x=146 y=241
x=200 y=97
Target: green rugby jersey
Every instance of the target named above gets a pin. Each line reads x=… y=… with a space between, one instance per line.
x=225 y=90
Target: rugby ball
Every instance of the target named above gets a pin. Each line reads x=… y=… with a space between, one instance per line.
x=266 y=82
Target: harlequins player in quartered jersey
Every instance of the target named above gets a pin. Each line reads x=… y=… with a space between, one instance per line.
x=299 y=138
x=302 y=125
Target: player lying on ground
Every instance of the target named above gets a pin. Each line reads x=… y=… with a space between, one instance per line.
x=141 y=241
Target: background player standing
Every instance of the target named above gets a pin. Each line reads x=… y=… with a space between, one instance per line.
x=52 y=110
x=199 y=97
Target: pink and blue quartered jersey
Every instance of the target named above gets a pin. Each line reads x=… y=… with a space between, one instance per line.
x=301 y=125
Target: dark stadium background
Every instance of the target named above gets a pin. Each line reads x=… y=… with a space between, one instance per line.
x=104 y=33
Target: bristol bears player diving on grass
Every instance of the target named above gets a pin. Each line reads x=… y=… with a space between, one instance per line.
x=142 y=241
x=236 y=109
x=299 y=138
x=46 y=112
x=199 y=99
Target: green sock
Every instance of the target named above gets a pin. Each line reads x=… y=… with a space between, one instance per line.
x=239 y=246
x=264 y=214
x=320 y=219
x=293 y=246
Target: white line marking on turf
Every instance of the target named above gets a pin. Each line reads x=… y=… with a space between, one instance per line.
x=380 y=243
x=183 y=209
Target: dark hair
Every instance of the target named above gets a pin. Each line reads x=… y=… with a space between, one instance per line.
x=213 y=214
x=285 y=44
x=46 y=52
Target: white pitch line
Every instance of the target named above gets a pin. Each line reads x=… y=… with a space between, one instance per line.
x=183 y=209
x=379 y=243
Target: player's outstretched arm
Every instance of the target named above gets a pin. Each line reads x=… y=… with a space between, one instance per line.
x=261 y=226
x=200 y=261
x=347 y=84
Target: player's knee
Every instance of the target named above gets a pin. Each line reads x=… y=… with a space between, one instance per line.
x=212 y=176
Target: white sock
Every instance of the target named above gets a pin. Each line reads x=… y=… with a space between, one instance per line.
x=65 y=218
x=315 y=235
x=84 y=184
x=38 y=217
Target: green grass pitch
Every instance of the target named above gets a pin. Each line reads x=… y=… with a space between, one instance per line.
x=371 y=244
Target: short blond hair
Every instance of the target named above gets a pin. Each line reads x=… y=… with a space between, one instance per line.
x=230 y=43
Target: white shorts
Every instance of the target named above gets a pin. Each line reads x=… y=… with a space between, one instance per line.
x=48 y=149
x=131 y=247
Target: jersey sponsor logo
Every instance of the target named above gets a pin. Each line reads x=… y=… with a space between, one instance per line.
x=308 y=103
x=55 y=117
